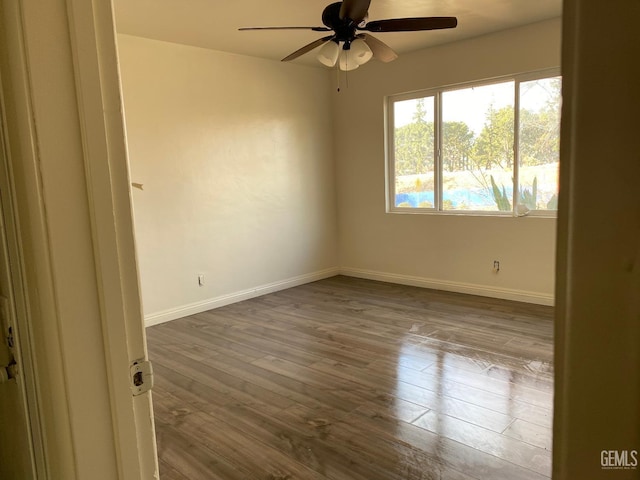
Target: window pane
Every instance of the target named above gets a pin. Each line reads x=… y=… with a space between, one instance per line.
x=539 y=143
x=414 y=153
x=477 y=148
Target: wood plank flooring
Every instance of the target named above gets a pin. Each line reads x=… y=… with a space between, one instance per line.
x=351 y=379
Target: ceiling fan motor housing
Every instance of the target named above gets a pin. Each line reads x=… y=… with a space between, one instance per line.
x=345 y=29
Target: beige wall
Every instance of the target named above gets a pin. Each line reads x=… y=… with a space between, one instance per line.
x=597 y=354
x=235 y=154
x=449 y=252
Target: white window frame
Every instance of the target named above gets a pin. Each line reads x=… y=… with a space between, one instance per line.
x=437 y=93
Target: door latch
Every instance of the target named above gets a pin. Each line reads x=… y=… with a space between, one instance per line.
x=141 y=377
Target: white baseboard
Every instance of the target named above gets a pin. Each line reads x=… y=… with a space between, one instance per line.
x=198 y=307
x=469 y=288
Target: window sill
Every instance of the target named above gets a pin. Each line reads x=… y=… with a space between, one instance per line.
x=479 y=213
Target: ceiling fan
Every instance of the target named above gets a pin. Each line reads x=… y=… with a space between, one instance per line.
x=350 y=48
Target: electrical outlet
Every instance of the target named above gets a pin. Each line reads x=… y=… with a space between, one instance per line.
x=496 y=266
x=201 y=280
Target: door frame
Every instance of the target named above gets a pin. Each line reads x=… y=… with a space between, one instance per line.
x=100 y=104
x=92 y=424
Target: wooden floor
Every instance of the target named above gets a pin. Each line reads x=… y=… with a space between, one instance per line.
x=359 y=380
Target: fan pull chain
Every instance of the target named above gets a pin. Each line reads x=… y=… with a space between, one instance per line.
x=346 y=77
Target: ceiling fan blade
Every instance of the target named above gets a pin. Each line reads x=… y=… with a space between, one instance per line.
x=354 y=10
x=307 y=48
x=411 y=24
x=381 y=51
x=315 y=29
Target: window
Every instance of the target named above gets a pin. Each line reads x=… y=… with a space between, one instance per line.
x=489 y=148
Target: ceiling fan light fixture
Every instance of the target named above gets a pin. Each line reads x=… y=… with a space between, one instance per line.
x=328 y=54
x=360 y=51
x=347 y=61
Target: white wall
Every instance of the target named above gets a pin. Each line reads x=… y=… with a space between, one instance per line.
x=236 y=157
x=449 y=252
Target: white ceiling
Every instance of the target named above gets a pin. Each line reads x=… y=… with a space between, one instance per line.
x=214 y=23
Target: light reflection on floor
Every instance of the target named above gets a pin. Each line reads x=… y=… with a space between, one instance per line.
x=497 y=404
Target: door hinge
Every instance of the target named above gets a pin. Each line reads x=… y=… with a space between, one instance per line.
x=141 y=377
x=8 y=372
